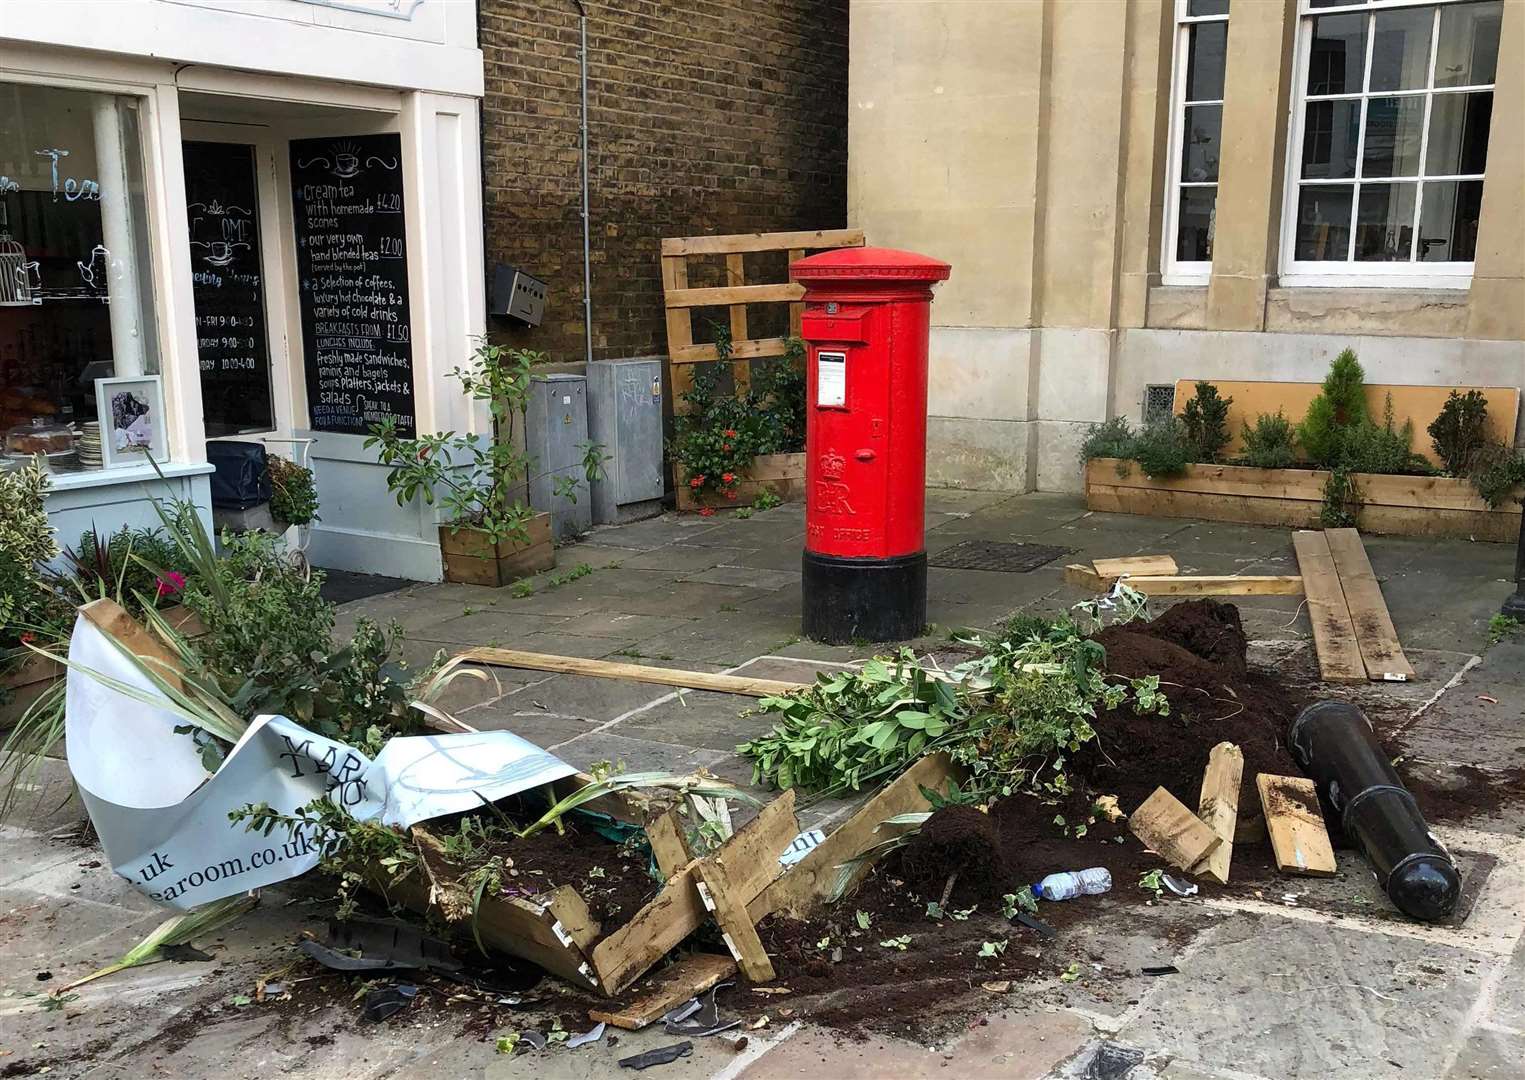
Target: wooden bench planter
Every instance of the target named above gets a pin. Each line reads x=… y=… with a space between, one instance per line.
x=472 y=559
x=1436 y=506
x=782 y=474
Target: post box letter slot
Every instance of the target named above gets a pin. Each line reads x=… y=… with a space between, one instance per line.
x=831 y=380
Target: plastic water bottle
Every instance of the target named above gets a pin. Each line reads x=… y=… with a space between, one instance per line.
x=1068 y=885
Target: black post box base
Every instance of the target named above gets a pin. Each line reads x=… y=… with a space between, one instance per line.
x=848 y=600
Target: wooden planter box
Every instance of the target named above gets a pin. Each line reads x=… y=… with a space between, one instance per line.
x=782 y=474
x=471 y=559
x=1438 y=506
x=32 y=676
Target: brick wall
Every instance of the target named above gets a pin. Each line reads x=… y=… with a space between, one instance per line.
x=706 y=116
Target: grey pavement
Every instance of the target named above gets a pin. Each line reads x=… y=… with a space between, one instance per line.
x=1337 y=987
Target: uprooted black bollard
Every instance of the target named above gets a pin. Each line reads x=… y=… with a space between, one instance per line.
x=1334 y=744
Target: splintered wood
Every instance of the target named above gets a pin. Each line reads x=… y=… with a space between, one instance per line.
x=1172 y=831
x=1298 y=837
x=1352 y=630
x=1219 y=807
x=671 y=986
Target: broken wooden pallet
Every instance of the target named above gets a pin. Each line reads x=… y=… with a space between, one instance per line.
x=1189 y=585
x=1218 y=807
x=1169 y=829
x=1298 y=837
x=1353 y=632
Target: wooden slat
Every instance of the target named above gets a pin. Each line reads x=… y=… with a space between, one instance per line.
x=671 y=986
x=796 y=310
x=752 y=349
x=677 y=911
x=1172 y=831
x=609 y=669
x=725 y=295
x=1376 y=636
x=1218 y=807
x=735 y=277
x=722 y=245
x=1298 y=837
x=808 y=883
x=723 y=901
x=1334 y=635
x=680 y=330
x=1149 y=565
x=1190 y=585
x=114 y=621
x=668 y=844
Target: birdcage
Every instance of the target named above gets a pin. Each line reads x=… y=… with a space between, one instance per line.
x=15 y=273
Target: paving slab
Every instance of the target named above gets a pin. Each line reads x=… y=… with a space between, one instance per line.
x=699 y=719
x=748 y=577
x=467 y=625
x=1507 y=1006
x=692 y=558
x=653 y=532
x=621 y=626
x=1489 y=1054
x=728 y=637
x=1318 y=1002
x=546 y=730
x=584 y=697
x=640 y=754
x=1477 y=722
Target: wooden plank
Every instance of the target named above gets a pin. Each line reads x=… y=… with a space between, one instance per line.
x=735 y=277
x=1376 y=636
x=726 y=295
x=1298 y=837
x=676 y=911
x=1191 y=585
x=571 y=911
x=1172 y=831
x=671 y=986
x=808 y=883
x=114 y=621
x=608 y=669
x=796 y=310
x=680 y=330
x=752 y=349
x=1150 y=565
x=1218 y=807
x=723 y=902
x=668 y=844
x=1334 y=635
x=780 y=241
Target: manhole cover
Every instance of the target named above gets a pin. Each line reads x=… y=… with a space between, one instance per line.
x=991 y=555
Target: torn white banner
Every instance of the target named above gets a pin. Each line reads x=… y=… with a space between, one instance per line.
x=165 y=825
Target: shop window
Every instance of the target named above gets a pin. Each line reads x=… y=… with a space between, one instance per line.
x=76 y=290
x=1196 y=139
x=1389 y=141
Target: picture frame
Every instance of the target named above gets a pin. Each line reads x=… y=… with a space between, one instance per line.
x=131 y=413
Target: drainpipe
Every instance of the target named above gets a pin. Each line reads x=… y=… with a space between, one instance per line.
x=120 y=267
x=587 y=225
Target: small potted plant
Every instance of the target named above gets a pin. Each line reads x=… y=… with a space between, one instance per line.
x=293 y=495
x=490 y=536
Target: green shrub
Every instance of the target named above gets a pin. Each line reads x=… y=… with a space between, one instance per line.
x=1162 y=448
x=1382 y=448
x=1496 y=471
x=1206 y=419
x=1270 y=444
x=293 y=495
x=129 y=564
x=1114 y=438
x=1460 y=431
x=1342 y=501
x=1339 y=407
x=29 y=607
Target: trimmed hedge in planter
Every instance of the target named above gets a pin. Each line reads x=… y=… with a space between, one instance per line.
x=1438 y=506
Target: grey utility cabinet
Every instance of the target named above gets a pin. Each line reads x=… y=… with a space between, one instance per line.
x=555 y=426
x=625 y=418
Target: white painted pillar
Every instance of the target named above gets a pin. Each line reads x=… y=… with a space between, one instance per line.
x=122 y=286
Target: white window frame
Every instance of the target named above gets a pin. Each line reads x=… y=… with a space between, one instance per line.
x=1174 y=271
x=1350 y=273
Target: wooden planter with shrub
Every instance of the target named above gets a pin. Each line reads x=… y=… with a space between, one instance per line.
x=471 y=558
x=781 y=474
x=1435 y=506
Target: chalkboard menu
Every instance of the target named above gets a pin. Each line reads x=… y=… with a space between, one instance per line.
x=228 y=287
x=352 y=273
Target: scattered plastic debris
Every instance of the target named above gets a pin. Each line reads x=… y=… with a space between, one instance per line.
x=802 y=845
x=1163 y=969
x=1032 y=922
x=533 y=1039
x=1112 y=1062
x=366 y=945
x=587 y=1037
x=663 y=1055
x=1179 y=886
x=384 y=1001
x=696 y=1021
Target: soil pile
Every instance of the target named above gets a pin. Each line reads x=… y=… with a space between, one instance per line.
x=958 y=846
x=1198 y=649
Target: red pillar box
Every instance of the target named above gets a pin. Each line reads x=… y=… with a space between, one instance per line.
x=865 y=323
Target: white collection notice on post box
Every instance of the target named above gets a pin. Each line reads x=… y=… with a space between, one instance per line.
x=830 y=379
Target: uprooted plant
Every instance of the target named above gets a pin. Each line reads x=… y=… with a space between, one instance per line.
x=1013 y=716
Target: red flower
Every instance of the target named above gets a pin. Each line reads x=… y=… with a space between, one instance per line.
x=730 y=494
x=696 y=483
x=728 y=478
x=708 y=511
x=727 y=446
x=729 y=433
x=28 y=637
x=172 y=582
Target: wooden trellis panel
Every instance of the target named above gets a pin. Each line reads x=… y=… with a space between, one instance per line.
x=735 y=294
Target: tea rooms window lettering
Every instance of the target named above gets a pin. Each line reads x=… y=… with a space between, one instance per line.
x=1389 y=141
x=1196 y=127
